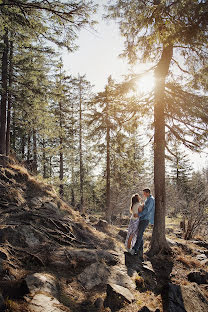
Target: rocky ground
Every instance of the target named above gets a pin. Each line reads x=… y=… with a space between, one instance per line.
x=52 y=259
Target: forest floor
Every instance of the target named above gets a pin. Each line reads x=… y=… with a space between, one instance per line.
x=53 y=259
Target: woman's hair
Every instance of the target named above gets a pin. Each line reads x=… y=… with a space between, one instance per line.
x=135 y=199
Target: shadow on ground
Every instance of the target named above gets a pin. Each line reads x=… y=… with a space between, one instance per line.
x=155 y=275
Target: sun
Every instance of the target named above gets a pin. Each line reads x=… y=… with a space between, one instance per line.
x=145 y=83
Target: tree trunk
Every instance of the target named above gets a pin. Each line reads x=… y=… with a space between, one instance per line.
x=50 y=167
x=9 y=98
x=35 y=158
x=61 y=172
x=61 y=158
x=28 y=147
x=44 y=161
x=72 y=157
x=158 y=242
x=23 y=145
x=108 y=208
x=4 y=76
x=80 y=149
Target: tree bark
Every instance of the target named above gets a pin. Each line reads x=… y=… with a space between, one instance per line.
x=44 y=161
x=61 y=158
x=80 y=149
x=108 y=208
x=23 y=145
x=9 y=98
x=35 y=158
x=158 y=242
x=28 y=146
x=4 y=76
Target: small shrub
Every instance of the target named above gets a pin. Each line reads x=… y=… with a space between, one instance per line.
x=140 y=284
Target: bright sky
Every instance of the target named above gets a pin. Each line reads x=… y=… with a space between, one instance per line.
x=98 y=58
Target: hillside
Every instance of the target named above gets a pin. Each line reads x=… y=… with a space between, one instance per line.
x=52 y=259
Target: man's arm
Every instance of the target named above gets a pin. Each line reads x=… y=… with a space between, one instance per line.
x=148 y=206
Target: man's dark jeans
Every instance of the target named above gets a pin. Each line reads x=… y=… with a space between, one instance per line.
x=138 y=247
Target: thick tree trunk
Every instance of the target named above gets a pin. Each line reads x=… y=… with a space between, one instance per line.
x=72 y=157
x=4 y=76
x=9 y=98
x=158 y=242
x=81 y=170
x=108 y=195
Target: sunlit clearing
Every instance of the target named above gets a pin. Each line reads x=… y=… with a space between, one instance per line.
x=145 y=83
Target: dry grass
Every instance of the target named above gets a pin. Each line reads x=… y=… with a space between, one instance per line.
x=16 y=306
x=22 y=170
x=188 y=261
x=16 y=195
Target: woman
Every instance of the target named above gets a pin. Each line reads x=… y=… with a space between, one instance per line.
x=134 y=222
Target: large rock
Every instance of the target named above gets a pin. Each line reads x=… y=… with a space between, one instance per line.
x=2 y=303
x=71 y=258
x=200 y=277
x=15 y=289
x=102 y=225
x=43 y=293
x=183 y=299
x=117 y=296
x=123 y=234
x=119 y=276
x=172 y=242
x=94 y=275
x=44 y=282
x=201 y=257
x=45 y=303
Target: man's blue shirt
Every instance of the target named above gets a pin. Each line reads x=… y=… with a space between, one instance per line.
x=149 y=210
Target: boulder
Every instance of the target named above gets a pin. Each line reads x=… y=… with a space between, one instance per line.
x=200 y=277
x=204 y=262
x=123 y=234
x=43 y=293
x=3 y=255
x=183 y=298
x=172 y=242
x=2 y=303
x=193 y=298
x=102 y=225
x=42 y=282
x=71 y=258
x=119 y=276
x=117 y=296
x=44 y=302
x=15 y=289
x=92 y=219
x=94 y=275
x=201 y=257
x=99 y=304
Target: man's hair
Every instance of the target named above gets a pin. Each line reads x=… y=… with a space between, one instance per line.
x=146 y=190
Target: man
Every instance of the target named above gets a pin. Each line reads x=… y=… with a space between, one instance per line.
x=145 y=217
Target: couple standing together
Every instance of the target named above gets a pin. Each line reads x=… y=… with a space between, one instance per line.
x=141 y=216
